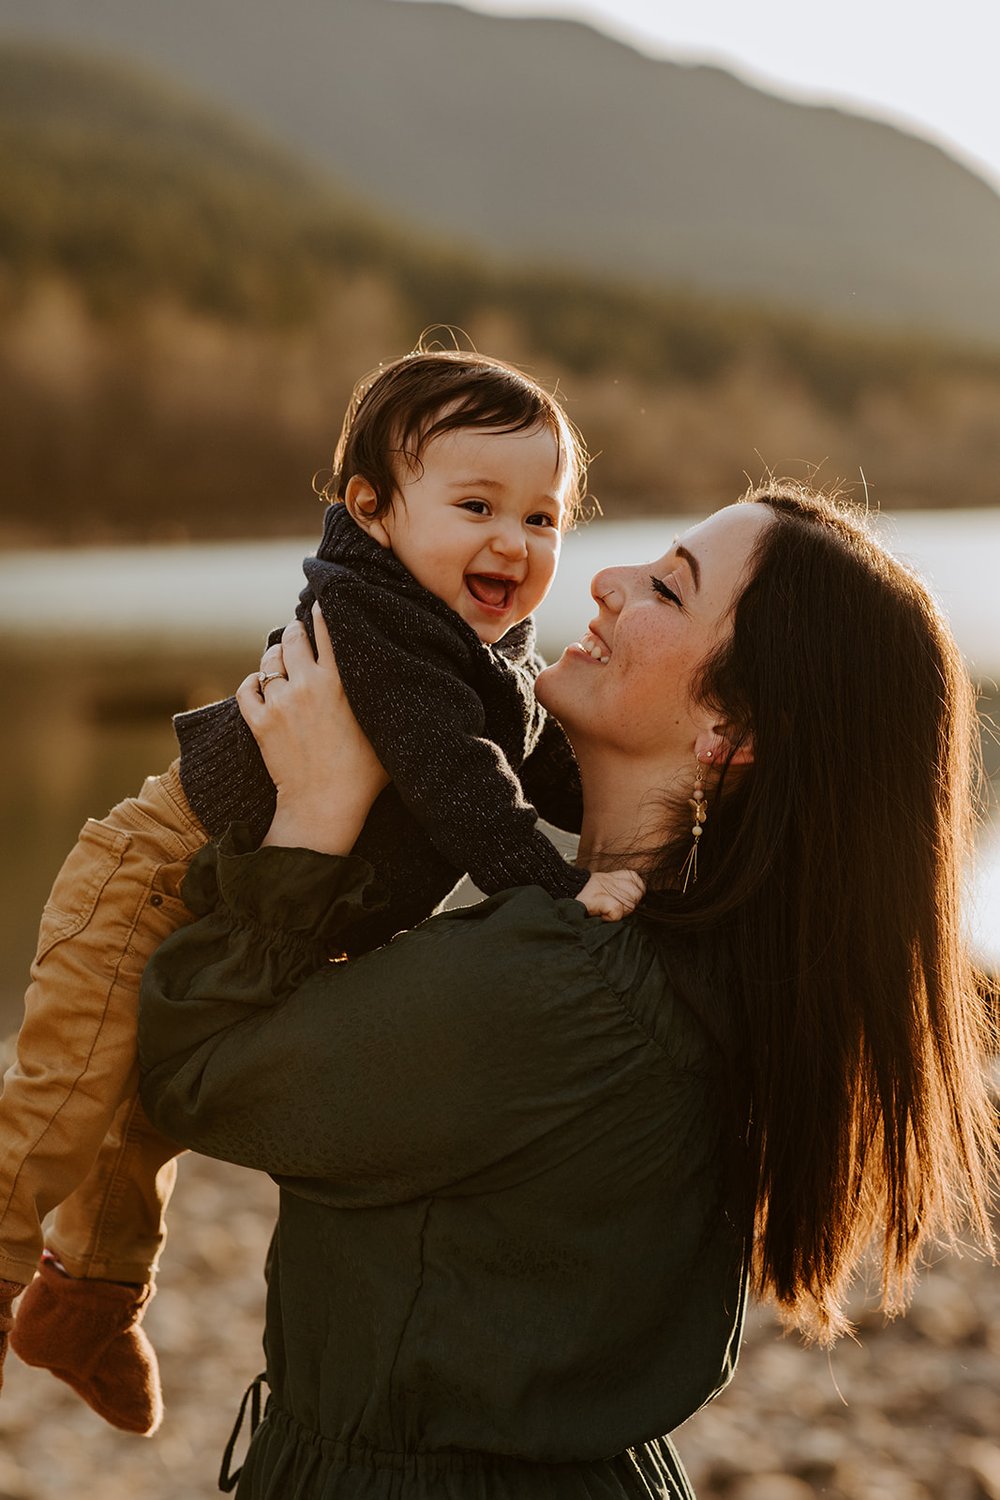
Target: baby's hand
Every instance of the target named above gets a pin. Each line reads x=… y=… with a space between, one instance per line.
x=613 y=894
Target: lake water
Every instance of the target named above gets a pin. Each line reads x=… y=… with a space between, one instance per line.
x=232 y=593
x=106 y=643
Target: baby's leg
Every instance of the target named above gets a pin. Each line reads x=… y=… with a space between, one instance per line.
x=81 y=1318
x=113 y=902
x=112 y=1227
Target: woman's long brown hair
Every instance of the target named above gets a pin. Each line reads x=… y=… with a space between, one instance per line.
x=835 y=866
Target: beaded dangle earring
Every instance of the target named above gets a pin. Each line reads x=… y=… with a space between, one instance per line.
x=699 y=814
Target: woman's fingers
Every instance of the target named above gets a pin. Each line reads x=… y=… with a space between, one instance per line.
x=296 y=650
x=250 y=700
x=294 y=653
x=273 y=660
x=324 y=645
x=308 y=670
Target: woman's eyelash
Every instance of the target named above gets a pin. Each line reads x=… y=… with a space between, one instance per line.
x=661 y=588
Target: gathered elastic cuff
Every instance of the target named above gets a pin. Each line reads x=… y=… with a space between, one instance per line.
x=294 y=895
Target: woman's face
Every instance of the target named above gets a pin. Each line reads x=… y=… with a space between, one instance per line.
x=626 y=684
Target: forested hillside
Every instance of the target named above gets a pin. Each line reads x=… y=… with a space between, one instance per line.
x=545 y=140
x=184 y=308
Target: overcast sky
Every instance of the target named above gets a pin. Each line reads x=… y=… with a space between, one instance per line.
x=931 y=68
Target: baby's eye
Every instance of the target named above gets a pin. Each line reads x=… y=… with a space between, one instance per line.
x=477 y=507
x=540 y=518
x=664 y=592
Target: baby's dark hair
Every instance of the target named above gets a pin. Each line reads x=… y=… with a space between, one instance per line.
x=395 y=411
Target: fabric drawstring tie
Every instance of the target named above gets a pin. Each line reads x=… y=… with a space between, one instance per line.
x=228 y=1481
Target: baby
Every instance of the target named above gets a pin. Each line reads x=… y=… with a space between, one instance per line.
x=454 y=479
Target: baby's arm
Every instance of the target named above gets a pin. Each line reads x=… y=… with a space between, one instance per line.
x=551 y=779
x=427 y=727
x=460 y=787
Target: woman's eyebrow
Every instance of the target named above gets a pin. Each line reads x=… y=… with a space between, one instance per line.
x=692 y=563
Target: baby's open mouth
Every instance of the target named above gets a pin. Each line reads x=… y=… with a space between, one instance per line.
x=491 y=590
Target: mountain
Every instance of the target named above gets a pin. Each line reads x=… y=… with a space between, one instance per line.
x=543 y=139
x=187 y=305
x=133 y=189
x=138 y=194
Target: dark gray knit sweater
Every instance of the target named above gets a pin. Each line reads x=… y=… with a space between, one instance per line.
x=454 y=722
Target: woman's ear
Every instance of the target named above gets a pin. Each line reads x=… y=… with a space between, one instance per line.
x=742 y=754
x=361 y=501
x=722 y=747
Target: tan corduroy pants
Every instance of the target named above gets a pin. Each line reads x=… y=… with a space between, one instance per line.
x=72 y=1131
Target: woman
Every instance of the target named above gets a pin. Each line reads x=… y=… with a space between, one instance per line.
x=529 y=1161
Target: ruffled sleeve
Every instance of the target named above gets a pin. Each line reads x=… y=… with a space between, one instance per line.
x=283 y=911
x=425 y=1064
x=269 y=918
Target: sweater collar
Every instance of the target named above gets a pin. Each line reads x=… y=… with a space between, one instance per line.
x=345 y=542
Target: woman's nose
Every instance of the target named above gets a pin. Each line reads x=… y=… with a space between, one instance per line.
x=608 y=587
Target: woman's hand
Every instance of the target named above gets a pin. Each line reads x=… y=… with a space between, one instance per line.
x=325 y=770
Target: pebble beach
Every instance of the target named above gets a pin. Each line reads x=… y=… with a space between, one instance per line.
x=910 y=1410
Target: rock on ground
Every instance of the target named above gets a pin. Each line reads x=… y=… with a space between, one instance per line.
x=911 y=1411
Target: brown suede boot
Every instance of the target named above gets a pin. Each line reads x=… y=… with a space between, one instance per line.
x=8 y=1291
x=87 y=1333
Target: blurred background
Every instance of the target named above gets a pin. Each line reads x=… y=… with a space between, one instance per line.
x=737 y=238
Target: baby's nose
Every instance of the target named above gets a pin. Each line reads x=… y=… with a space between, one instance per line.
x=510 y=540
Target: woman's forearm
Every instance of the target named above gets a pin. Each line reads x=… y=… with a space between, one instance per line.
x=328 y=822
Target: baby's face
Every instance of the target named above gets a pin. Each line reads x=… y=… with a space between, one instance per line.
x=480 y=523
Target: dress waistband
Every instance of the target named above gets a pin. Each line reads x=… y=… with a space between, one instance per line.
x=651 y=1469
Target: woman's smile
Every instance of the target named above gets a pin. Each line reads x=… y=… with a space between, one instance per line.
x=592 y=646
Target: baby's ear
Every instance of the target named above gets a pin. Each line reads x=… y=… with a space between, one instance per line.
x=361 y=502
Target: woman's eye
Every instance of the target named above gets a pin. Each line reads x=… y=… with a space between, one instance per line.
x=540 y=519
x=660 y=588
x=477 y=507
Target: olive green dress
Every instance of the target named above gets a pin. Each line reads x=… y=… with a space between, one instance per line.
x=503 y=1265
